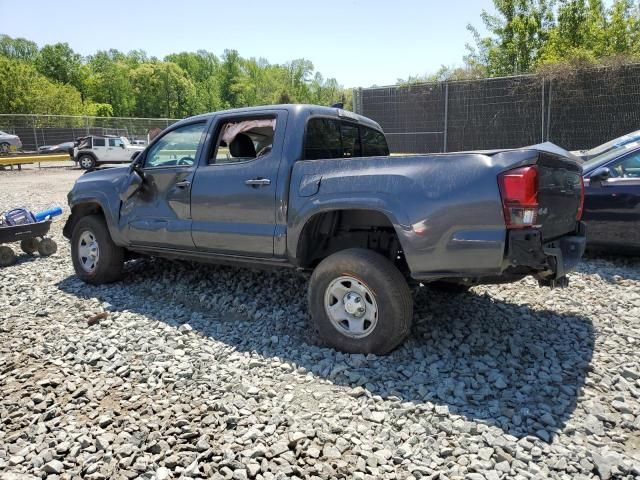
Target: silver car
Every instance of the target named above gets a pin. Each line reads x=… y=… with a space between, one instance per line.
x=9 y=143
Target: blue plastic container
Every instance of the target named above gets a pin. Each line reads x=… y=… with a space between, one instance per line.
x=47 y=214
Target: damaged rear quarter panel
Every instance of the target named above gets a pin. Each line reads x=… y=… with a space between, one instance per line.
x=453 y=200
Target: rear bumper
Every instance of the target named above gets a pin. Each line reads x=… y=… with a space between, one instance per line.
x=550 y=261
x=526 y=254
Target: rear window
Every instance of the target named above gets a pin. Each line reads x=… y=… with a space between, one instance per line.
x=330 y=138
x=374 y=143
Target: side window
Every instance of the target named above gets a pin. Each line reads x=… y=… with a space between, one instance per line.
x=178 y=147
x=242 y=140
x=328 y=138
x=99 y=142
x=115 y=142
x=627 y=168
x=323 y=139
x=350 y=140
x=374 y=143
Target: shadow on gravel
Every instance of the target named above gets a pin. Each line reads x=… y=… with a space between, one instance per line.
x=481 y=356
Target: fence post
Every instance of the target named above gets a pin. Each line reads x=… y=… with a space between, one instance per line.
x=35 y=132
x=549 y=111
x=86 y=125
x=446 y=116
x=542 y=111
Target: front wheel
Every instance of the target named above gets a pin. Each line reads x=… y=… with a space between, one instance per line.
x=7 y=256
x=360 y=302
x=87 y=162
x=96 y=259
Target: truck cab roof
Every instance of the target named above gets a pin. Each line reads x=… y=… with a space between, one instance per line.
x=296 y=110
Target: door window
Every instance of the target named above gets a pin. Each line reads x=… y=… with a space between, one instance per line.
x=629 y=167
x=176 y=148
x=374 y=143
x=99 y=142
x=243 y=140
x=329 y=138
x=115 y=142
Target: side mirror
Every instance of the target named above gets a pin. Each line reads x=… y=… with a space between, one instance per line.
x=600 y=175
x=122 y=146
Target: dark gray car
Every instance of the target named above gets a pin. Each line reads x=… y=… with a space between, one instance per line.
x=314 y=188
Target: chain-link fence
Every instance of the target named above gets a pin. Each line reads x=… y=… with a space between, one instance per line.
x=575 y=110
x=36 y=131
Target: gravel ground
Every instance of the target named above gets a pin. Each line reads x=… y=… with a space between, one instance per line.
x=213 y=372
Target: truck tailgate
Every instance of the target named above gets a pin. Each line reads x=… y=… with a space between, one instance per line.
x=559 y=194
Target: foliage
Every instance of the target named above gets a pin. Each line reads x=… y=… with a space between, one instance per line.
x=24 y=90
x=112 y=82
x=527 y=35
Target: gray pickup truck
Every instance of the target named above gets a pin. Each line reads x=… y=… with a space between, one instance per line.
x=314 y=188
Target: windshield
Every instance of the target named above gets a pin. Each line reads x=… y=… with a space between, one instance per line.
x=125 y=140
x=616 y=142
x=615 y=152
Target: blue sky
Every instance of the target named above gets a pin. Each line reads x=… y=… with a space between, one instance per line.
x=360 y=43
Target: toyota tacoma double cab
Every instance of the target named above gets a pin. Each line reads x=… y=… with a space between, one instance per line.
x=96 y=150
x=314 y=188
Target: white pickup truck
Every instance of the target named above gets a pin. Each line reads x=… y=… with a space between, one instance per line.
x=95 y=150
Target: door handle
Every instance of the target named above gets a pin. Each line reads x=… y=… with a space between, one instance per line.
x=258 y=182
x=183 y=184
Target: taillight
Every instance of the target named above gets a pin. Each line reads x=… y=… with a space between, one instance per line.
x=581 y=204
x=519 y=192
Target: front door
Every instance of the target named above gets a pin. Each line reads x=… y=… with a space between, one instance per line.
x=612 y=207
x=159 y=215
x=233 y=200
x=115 y=150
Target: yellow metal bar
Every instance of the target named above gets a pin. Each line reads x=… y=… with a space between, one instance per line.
x=24 y=159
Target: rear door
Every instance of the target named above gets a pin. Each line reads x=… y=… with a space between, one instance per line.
x=159 y=215
x=233 y=200
x=115 y=152
x=99 y=148
x=612 y=207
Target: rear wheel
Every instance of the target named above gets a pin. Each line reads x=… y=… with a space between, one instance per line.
x=47 y=247
x=7 y=256
x=360 y=302
x=29 y=245
x=96 y=259
x=86 y=162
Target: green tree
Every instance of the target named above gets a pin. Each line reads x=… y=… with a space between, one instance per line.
x=162 y=90
x=110 y=83
x=230 y=79
x=518 y=30
x=18 y=48
x=24 y=90
x=60 y=63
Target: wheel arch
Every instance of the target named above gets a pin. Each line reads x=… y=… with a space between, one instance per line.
x=329 y=230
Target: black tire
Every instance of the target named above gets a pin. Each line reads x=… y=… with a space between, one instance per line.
x=87 y=162
x=7 y=256
x=108 y=267
x=47 y=247
x=29 y=245
x=390 y=290
x=4 y=147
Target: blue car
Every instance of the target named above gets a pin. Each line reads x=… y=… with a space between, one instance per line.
x=612 y=199
x=611 y=145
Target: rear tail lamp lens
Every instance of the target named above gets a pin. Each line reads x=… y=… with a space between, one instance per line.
x=519 y=192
